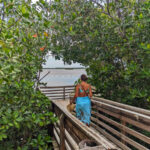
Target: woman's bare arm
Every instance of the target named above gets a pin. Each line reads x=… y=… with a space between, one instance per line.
x=90 y=92
x=76 y=94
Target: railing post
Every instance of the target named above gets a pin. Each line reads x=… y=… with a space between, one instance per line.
x=122 y=131
x=64 y=92
x=62 y=133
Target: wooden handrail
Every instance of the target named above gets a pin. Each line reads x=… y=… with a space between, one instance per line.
x=128 y=107
x=45 y=87
x=60 y=92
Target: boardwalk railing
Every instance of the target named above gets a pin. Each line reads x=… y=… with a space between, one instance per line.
x=69 y=131
x=57 y=92
x=126 y=126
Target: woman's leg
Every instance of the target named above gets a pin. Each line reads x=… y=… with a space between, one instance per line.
x=87 y=111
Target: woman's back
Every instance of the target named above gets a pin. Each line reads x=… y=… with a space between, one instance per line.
x=83 y=89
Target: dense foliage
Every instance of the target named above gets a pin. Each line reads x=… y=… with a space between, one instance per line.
x=112 y=38
x=24 y=110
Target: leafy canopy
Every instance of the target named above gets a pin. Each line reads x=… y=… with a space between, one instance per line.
x=112 y=38
x=25 y=112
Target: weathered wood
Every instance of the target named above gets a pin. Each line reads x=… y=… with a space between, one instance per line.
x=112 y=119
x=82 y=127
x=109 y=136
x=75 y=130
x=128 y=120
x=123 y=137
x=55 y=98
x=64 y=92
x=48 y=87
x=67 y=146
x=59 y=96
x=74 y=136
x=123 y=131
x=62 y=133
x=120 y=105
x=59 y=92
x=136 y=116
x=55 y=144
x=123 y=127
x=72 y=143
x=56 y=136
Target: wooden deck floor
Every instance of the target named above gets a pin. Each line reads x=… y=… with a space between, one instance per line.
x=89 y=130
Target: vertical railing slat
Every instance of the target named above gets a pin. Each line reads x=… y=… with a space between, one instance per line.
x=64 y=92
x=62 y=132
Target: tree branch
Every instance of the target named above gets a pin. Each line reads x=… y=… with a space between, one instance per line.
x=108 y=7
x=15 y=22
x=102 y=7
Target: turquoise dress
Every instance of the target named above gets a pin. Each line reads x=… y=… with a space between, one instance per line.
x=83 y=108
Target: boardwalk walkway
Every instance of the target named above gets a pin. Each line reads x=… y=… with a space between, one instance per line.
x=114 y=125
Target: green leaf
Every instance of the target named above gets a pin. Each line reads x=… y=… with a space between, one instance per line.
x=42 y=1
x=62 y=16
x=71 y=28
x=24 y=11
x=2 y=136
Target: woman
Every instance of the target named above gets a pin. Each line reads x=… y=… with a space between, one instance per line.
x=83 y=93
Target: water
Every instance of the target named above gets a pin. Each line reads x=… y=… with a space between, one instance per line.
x=52 y=63
x=61 y=74
x=61 y=77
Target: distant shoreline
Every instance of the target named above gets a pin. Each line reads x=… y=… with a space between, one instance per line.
x=65 y=68
x=61 y=76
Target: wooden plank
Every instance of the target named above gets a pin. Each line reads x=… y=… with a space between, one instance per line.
x=68 y=129
x=67 y=146
x=128 y=107
x=123 y=127
x=57 y=134
x=55 y=144
x=81 y=136
x=70 y=140
x=125 y=138
x=57 y=130
x=109 y=136
x=74 y=136
x=136 y=116
x=52 y=90
x=64 y=93
x=57 y=137
x=45 y=87
x=59 y=89
x=123 y=131
x=62 y=133
x=58 y=92
x=119 y=116
x=56 y=96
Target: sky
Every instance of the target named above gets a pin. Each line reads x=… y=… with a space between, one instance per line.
x=52 y=63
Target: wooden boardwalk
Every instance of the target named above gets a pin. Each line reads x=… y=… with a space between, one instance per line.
x=113 y=125
x=89 y=133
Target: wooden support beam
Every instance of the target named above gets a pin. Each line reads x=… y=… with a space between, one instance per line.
x=62 y=133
